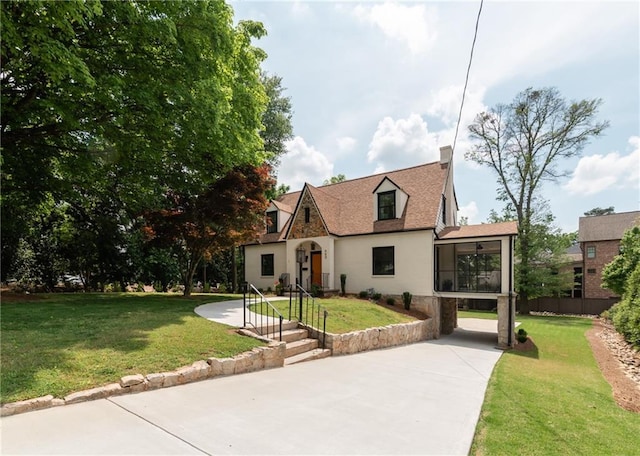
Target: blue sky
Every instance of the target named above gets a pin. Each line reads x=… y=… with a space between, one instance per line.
x=376 y=86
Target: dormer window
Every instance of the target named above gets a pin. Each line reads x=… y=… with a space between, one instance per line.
x=387 y=205
x=272 y=222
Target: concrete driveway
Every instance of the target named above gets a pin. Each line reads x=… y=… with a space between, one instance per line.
x=417 y=399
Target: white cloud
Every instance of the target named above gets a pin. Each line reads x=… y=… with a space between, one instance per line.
x=303 y=163
x=445 y=104
x=597 y=173
x=346 y=143
x=415 y=26
x=300 y=9
x=470 y=211
x=403 y=142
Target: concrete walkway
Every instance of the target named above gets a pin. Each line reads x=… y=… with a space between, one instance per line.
x=229 y=312
x=417 y=399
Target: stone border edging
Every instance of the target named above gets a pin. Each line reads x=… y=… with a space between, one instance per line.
x=257 y=359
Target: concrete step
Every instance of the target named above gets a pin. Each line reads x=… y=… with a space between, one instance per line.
x=317 y=353
x=290 y=335
x=300 y=346
x=286 y=326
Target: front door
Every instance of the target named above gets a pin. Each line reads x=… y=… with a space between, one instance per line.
x=316 y=268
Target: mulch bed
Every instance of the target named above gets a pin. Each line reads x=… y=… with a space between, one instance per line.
x=619 y=363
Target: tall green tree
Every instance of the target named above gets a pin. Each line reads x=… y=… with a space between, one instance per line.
x=276 y=119
x=616 y=273
x=546 y=269
x=622 y=276
x=141 y=96
x=524 y=143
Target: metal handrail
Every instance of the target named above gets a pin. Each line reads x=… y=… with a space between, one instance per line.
x=307 y=311
x=266 y=310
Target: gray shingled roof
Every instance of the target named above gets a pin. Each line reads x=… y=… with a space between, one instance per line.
x=606 y=227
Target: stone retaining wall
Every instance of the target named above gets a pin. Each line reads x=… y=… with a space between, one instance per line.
x=259 y=358
x=375 y=338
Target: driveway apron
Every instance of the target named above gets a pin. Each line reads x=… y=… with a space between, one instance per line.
x=423 y=398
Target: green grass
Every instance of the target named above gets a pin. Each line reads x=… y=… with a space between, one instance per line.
x=69 y=342
x=553 y=400
x=346 y=315
x=483 y=314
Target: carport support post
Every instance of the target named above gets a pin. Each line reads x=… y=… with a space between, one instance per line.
x=506 y=322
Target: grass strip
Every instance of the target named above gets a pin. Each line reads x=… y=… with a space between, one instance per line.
x=63 y=343
x=347 y=315
x=554 y=399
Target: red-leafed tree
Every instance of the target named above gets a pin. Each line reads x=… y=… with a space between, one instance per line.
x=193 y=227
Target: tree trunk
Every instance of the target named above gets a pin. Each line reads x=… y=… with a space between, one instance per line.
x=234 y=267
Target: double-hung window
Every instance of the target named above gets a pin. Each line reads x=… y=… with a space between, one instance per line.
x=387 y=205
x=272 y=222
x=266 y=263
x=383 y=261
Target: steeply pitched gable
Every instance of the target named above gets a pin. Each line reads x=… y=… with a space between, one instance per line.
x=346 y=208
x=307 y=220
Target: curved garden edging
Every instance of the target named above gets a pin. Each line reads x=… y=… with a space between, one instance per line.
x=266 y=357
x=257 y=359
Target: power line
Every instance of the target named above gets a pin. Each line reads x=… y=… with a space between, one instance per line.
x=466 y=81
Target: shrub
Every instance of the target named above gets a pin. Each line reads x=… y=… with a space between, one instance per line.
x=157 y=286
x=363 y=294
x=406 y=299
x=626 y=314
x=391 y=301
x=376 y=296
x=317 y=291
x=207 y=287
x=522 y=335
x=343 y=283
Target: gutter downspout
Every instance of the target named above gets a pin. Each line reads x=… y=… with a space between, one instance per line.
x=510 y=333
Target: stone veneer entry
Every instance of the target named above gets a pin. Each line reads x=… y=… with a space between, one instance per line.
x=259 y=358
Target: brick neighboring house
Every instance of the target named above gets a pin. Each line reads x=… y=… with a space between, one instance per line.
x=599 y=238
x=393 y=232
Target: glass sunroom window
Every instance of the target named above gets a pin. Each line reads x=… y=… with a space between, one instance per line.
x=469 y=267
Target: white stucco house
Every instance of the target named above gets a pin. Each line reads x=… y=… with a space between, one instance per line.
x=393 y=232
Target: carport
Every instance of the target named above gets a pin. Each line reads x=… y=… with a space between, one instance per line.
x=477 y=262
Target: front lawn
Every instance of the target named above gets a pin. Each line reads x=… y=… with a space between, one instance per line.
x=347 y=315
x=554 y=399
x=61 y=343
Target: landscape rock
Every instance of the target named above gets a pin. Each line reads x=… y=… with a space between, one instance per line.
x=170 y=379
x=215 y=367
x=202 y=369
x=130 y=380
x=93 y=393
x=228 y=366
x=27 y=406
x=154 y=381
